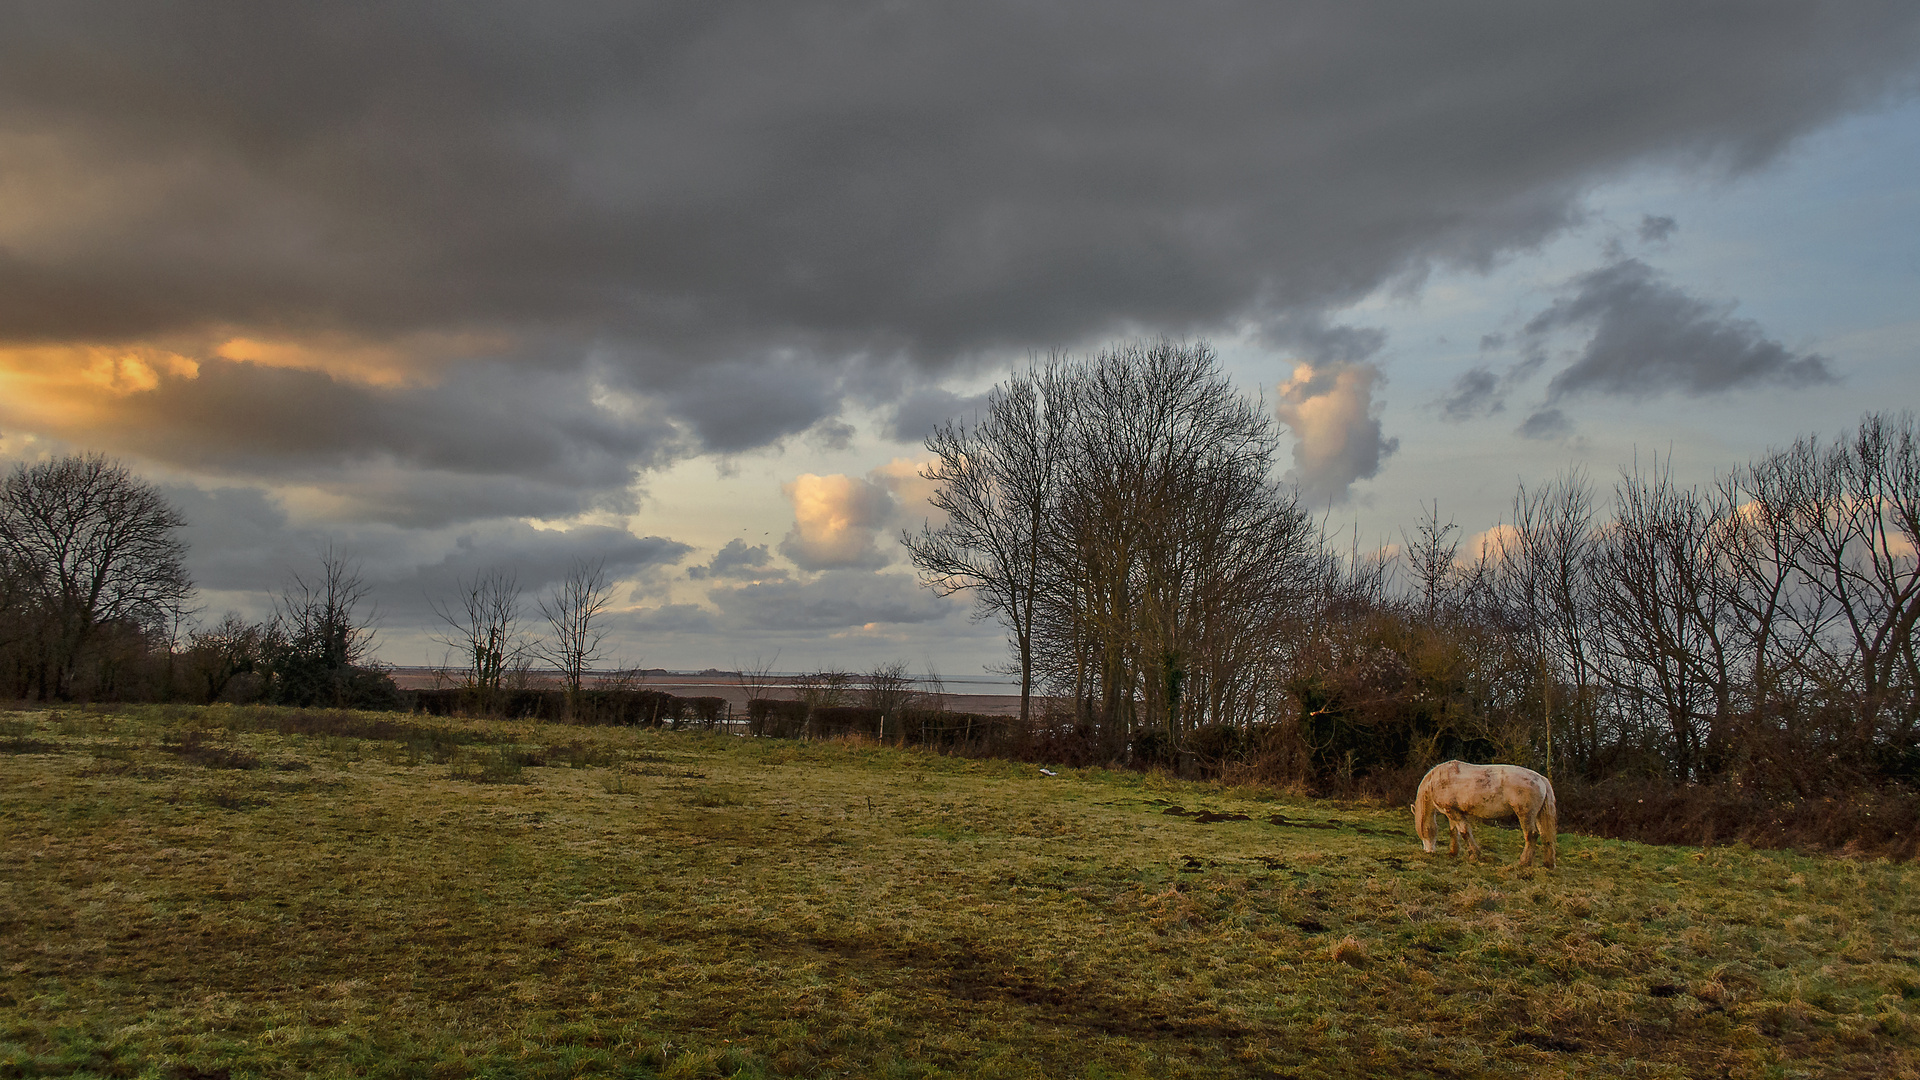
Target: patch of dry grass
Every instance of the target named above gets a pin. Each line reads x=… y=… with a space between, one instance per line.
x=208 y=892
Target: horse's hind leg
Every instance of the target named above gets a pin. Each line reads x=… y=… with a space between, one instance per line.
x=1466 y=833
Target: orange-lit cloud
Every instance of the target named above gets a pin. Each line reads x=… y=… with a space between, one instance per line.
x=408 y=361
x=67 y=391
x=911 y=491
x=835 y=521
x=1492 y=543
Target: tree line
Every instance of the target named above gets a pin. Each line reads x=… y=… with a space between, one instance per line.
x=1167 y=599
x=95 y=604
x=1164 y=594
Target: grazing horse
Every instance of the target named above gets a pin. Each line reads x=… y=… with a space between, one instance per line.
x=1463 y=792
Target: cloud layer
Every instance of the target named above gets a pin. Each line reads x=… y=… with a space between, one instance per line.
x=729 y=182
x=421 y=272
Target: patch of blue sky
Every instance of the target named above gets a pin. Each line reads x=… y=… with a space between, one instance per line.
x=1820 y=248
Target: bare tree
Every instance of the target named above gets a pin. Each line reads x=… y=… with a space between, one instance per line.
x=758 y=678
x=1855 y=510
x=1432 y=554
x=573 y=613
x=86 y=546
x=1541 y=575
x=889 y=689
x=997 y=482
x=1177 y=558
x=485 y=630
x=1120 y=516
x=826 y=688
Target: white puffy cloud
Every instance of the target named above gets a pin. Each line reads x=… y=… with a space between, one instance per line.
x=1330 y=410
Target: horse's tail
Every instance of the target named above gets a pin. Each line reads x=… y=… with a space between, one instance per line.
x=1548 y=823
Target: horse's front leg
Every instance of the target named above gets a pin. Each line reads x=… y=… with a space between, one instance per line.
x=1473 y=846
x=1453 y=835
x=1526 y=853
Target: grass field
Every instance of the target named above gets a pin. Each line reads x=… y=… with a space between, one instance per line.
x=248 y=892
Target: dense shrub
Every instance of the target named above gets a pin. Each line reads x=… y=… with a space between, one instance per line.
x=1861 y=821
x=776 y=719
x=828 y=721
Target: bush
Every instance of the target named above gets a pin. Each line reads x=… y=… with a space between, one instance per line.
x=1857 y=822
x=776 y=719
x=830 y=720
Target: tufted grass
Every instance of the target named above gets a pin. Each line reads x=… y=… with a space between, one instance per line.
x=249 y=892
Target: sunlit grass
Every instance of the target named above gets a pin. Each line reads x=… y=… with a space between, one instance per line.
x=189 y=892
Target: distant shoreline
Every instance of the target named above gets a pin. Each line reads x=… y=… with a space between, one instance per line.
x=982 y=694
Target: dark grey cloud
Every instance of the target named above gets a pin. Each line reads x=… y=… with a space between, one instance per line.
x=1643 y=336
x=736 y=405
x=1654 y=229
x=703 y=228
x=921 y=410
x=489 y=440
x=737 y=560
x=677 y=620
x=541 y=558
x=722 y=179
x=237 y=537
x=1650 y=337
x=1478 y=392
x=1322 y=343
x=836 y=600
x=1546 y=425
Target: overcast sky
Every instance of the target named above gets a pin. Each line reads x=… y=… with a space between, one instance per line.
x=454 y=286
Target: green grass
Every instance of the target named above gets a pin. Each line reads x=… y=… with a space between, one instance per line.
x=247 y=892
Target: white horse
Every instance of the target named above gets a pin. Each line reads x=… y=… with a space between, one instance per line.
x=1463 y=792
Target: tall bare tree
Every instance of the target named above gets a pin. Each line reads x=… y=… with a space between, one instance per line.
x=575 y=629
x=1178 y=556
x=1543 y=564
x=1856 y=520
x=86 y=546
x=997 y=480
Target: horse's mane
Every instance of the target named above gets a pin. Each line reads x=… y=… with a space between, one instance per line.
x=1423 y=809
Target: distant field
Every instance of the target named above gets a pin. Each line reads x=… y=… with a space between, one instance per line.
x=235 y=892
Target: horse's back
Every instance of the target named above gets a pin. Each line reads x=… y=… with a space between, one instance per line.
x=1486 y=790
